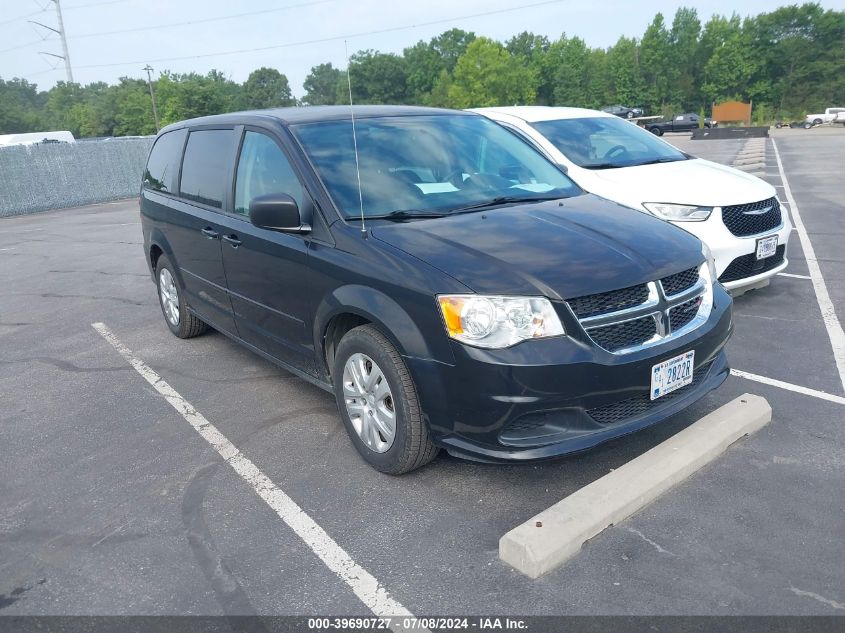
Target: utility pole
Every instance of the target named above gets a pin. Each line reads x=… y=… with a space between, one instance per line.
x=61 y=33
x=149 y=69
x=64 y=41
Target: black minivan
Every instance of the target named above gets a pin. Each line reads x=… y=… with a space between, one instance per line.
x=451 y=286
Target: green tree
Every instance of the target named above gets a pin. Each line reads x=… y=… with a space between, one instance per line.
x=566 y=66
x=321 y=85
x=801 y=56
x=426 y=61
x=266 y=88
x=450 y=45
x=487 y=75
x=21 y=108
x=656 y=63
x=532 y=50
x=624 y=72
x=62 y=107
x=192 y=95
x=133 y=114
x=729 y=67
x=684 y=36
x=378 y=77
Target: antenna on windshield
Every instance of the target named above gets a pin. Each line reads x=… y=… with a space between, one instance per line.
x=355 y=139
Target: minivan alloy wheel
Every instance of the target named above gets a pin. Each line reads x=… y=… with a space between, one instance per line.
x=169 y=296
x=369 y=402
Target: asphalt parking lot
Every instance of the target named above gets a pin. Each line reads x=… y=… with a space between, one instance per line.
x=111 y=503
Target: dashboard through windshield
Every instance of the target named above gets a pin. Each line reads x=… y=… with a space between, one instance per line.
x=428 y=165
x=606 y=143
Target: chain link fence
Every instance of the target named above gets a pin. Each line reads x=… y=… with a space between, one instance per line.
x=60 y=175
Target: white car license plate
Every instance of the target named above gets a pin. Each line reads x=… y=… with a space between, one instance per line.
x=766 y=246
x=672 y=374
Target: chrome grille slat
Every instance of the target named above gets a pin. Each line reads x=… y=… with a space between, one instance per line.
x=679 y=282
x=667 y=309
x=604 y=302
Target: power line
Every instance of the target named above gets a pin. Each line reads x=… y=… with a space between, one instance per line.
x=328 y=39
x=94 y=4
x=22 y=17
x=159 y=27
x=316 y=41
x=70 y=8
x=20 y=46
x=221 y=18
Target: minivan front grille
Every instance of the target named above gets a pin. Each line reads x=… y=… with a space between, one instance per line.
x=753 y=218
x=680 y=315
x=749 y=265
x=625 y=334
x=677 y=283
x=612 y=301
x=622 y=321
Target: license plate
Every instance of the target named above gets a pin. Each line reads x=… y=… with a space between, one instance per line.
x=671 y=374
x=766 y=246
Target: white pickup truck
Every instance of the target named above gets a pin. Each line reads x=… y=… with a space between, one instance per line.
x=828 y=116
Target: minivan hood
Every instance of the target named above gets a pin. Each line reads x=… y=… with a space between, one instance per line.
x=559 y=249
x=695 y=181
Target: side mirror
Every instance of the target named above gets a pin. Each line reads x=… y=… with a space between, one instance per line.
x=277 y=212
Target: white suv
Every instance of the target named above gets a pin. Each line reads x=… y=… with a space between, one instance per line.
x=735 y=214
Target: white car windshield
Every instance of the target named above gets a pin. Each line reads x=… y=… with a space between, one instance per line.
x=606 y=142
x=428 y=164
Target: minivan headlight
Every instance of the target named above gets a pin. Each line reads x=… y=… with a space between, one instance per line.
x=498 y=322
x=678 y=212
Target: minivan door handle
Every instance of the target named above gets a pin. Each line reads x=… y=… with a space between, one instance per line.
x=233 y=240
x=210 y=233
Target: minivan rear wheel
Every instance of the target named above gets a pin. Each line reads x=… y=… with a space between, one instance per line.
x=180 y=321
x=378 y=403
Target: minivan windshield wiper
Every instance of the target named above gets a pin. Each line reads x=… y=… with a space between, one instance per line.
x=404 y=215
x=500 y=200
x=658 y=160
x=603 y=166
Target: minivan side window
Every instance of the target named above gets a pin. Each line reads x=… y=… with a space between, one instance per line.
x=204 y=168
x=163 y=162
x=263 y=168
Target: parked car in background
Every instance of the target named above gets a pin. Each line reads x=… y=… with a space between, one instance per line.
x=484 y=303
x=679 y=123
x=36 y=138
x=828 y=116
x=623 y=111
x=736 y=214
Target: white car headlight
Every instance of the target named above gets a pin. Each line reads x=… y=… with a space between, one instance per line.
x=498 y=322
x=678 y=212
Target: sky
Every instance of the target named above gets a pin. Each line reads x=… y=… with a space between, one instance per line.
x=186 y=35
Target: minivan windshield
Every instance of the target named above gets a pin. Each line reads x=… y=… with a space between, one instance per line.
x=424 y=165
x=606 y=143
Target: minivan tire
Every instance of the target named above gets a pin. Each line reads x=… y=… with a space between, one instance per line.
x=412 y=446
x=188 y=326
x=656 y=130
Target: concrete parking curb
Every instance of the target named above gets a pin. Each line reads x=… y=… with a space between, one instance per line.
x=556 y=534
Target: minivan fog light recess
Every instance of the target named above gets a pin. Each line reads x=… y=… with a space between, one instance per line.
x=678 y=212
x=498 y=322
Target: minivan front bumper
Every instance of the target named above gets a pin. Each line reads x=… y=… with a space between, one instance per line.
x=546 y=398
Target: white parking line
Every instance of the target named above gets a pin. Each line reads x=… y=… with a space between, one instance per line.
x=823 y=395
x=831 y=322
x=794 y=275
x=364 y=584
